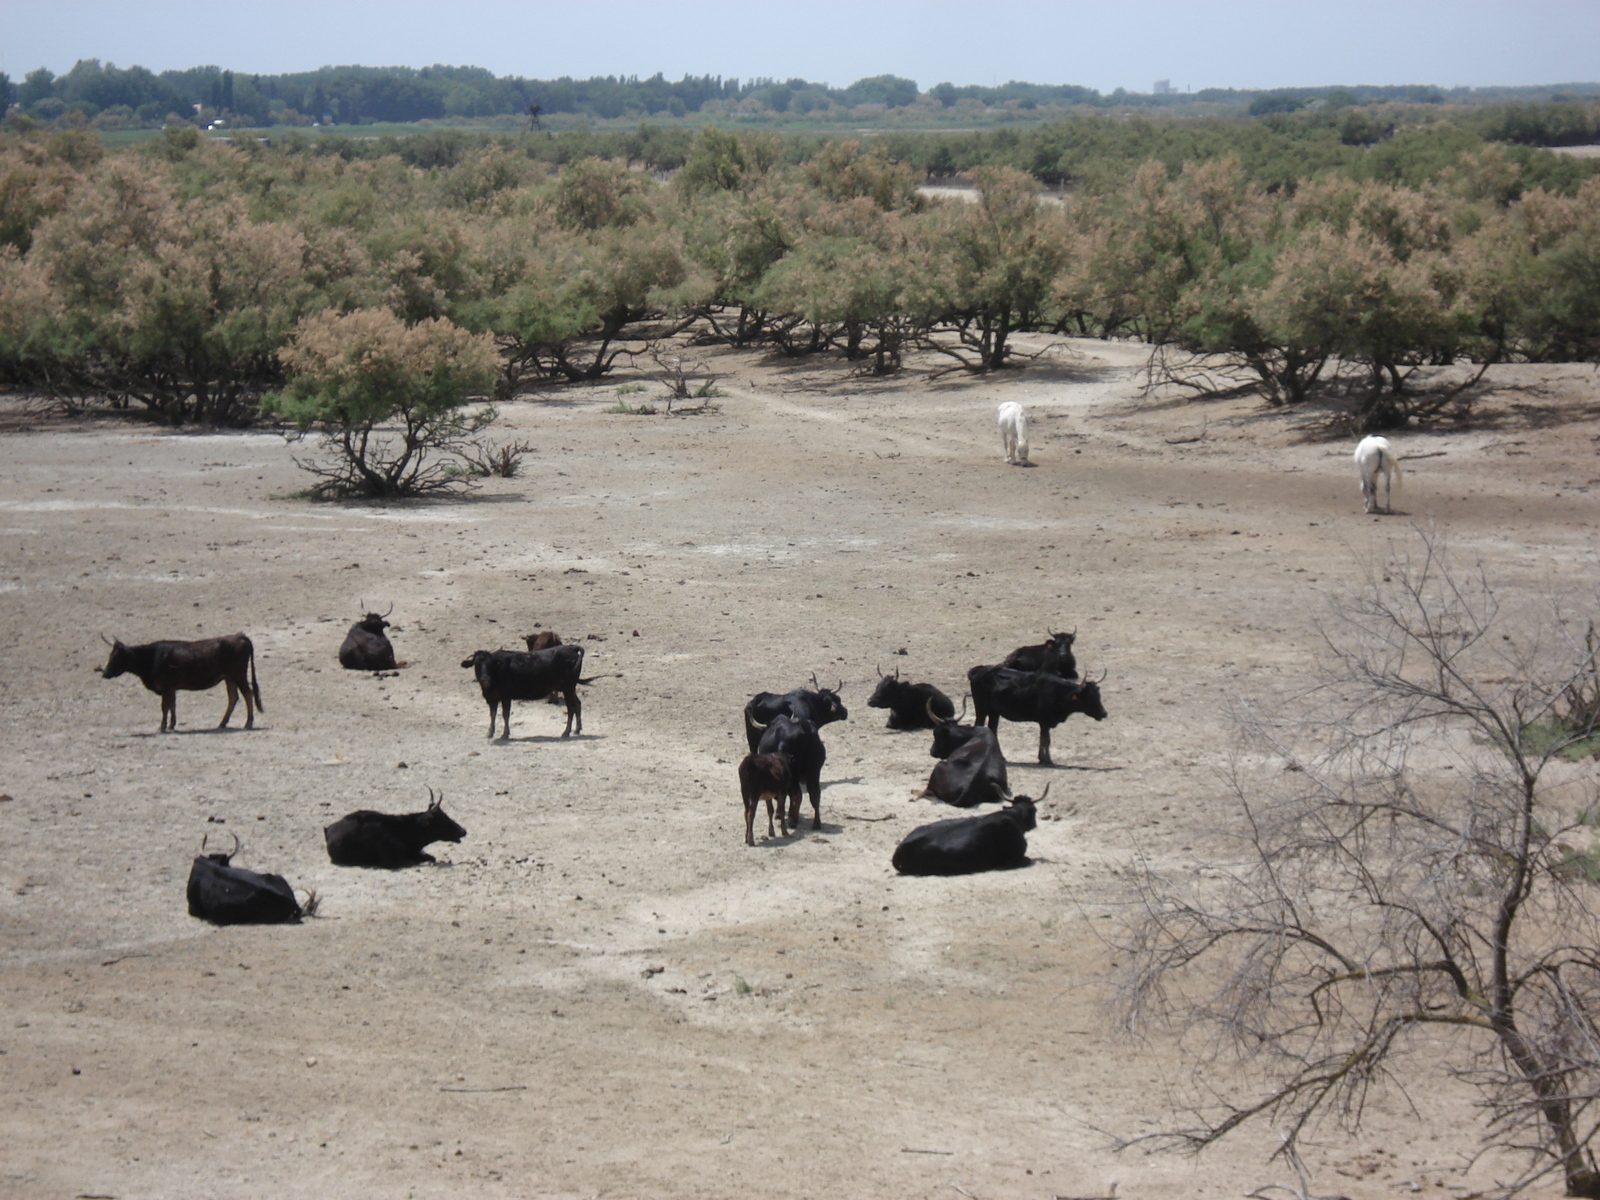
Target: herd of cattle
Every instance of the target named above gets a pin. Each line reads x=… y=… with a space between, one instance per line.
x=1034 y=684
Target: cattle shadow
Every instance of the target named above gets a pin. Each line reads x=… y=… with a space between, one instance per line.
x=779 y=840
x=547 y=737
x=214 y=729
x=1039 y=766
x=417 y=866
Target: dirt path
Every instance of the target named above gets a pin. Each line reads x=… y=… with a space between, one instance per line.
x=602 y=991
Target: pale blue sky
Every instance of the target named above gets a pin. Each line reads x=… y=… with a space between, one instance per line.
x=1104 y=45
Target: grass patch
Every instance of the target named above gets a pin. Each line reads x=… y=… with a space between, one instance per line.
x=1545 y=737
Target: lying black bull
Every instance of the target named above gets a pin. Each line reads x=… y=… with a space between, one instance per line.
x=1032 y=697
x=167 y=668
x=1054 y=656
x=797 y=740
x=819 y=705
x=910 y=705
x=366 y=647
x=974 y=774
x=374 y=839
x=995 y=841
x=507 y=675
x=950 y=735
x=229 y=895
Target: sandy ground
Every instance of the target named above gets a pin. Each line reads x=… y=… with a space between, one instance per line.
x=602 y=991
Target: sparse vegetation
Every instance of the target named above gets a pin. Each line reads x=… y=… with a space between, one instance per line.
x=386 y=399
x=1267 y=255
x=1380 y=907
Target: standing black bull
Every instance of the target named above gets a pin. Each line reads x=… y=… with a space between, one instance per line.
x=228 y=895
x=366 y=647
x=995 y=841
x=507 y=675
x=910 y=705
x=1037 y=697
x=819 y=705
x=1054 y=656
x=374 y=839
x=796 y=739
x=167 y=668
x=974 y=774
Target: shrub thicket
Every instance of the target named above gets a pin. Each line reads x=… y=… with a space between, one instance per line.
x=1278 y=254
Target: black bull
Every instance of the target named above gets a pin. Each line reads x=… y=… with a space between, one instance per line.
x=1031 y=697
x=1054 y=656
x=374 y=839
x=965 y=845
x=910 y=705
x=167 y=668
x=797 y=740
x=974 y=774
x=366 y=647
x=817 y=705
x=507 y=675
x=229 y=895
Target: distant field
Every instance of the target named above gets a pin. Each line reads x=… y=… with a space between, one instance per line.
x=963 y=121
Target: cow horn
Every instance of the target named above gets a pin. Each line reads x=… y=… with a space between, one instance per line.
x=1102 y=678
x=878 y=669
x=896 y=678
x=1044 y=793
x=108 y=641
x=932 y=720
x=391 y=608
x=964 y=700
x=814 y=682
x=752 y=722
x=839 y=687
x=432 y=803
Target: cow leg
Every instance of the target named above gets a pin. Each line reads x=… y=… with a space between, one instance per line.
x=233 y=699
x=574 y=710
x=249 y=704
x=1044 y=745
x=816 y=805
x=169 y=711
x=505 y=720
x=750 y=803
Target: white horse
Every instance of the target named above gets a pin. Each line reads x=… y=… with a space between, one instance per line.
x=1375 y=455
x=1014 y=433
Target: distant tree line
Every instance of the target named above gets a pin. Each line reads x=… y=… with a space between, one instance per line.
x=133 y=96
x=184 y=276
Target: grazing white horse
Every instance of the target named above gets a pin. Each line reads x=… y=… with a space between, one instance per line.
x=1014 y=433
x=1374 y=456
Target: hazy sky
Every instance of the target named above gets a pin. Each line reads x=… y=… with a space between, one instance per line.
x=1104 y=44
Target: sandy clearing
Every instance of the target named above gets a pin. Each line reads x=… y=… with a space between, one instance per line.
x=601 y=990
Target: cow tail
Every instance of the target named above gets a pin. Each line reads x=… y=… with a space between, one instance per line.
x=255 y=687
